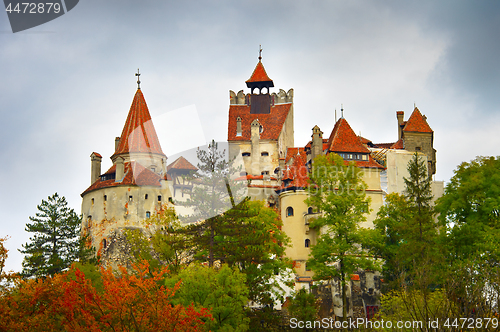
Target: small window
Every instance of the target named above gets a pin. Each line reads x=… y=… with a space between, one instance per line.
x=104 y=243
x=418 y=148
x=264 y=154
x=105 y=198
x=310 y=210
x=289 y=211
x=148 y=214
x=92 y=202
x=307 y=243
x=146 y=196
x=246 y=154
x=159 y=198
x=264 y=173
x=130 y=198
x=170 y=200
x=261 y=129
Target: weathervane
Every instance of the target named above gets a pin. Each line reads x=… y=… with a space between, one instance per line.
x=138 y=79
x=260 y=52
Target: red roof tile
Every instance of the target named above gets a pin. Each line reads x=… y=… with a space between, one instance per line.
x=364 y=140
x=385 y=145
x=343 y=139
x=272 y=123
x=139 y=134
x=135 y=175
x=259 y=74
x=297 y=172
x=398 y=145
x=417 y=123
x=181 y=163
x=96 y=154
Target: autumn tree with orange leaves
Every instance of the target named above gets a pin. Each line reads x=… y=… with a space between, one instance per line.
x=70 y=302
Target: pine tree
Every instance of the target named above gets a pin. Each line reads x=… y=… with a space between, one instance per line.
x=56 y=240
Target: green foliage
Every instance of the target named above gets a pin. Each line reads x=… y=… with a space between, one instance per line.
x=56 y=240
x=470 y=213
x=303 y=306
x=338 y=192
x=222 y=291
x=407 y=233
x=415 y=307
x=163 y=243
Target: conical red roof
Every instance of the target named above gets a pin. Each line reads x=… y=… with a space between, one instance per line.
x=343 y=139
x=417 y=123
x=259 y=74
x=139 y=134
x=182 y=164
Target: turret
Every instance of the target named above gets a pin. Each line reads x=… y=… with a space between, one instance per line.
x=317 y=142
x=95 y=166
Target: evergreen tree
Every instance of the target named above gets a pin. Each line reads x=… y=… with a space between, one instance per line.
x=55 y=243
x=408 y=232
x=338 y=192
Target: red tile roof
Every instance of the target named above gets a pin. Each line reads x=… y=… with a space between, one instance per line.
x=272 y=123
x=297 y=172
x=398 y=145
x=135 y=175
x=259 y=74
x=385 y=145
x=364 y=140
x=139 y=134
x=370 y=163
x=96 y=154
x=417 y=123
x=343 y=139
x=182 y=164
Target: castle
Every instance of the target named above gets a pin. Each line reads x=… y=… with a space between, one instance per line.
x=261 y=132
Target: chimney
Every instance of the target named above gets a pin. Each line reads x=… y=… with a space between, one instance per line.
x=281 y=167
x=317 y=142
x=255 y=137
x=95 y=166
x=120 y=169
x=400 y=115
x=117 y=142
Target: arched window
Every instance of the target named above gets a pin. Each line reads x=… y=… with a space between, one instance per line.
x=310 y=210
x=289 y=211
x=148 y=214
x=104 y=243
x=307 y=243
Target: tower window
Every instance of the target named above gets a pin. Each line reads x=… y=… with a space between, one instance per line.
x=418 y=148
x=307 y=243
x=170 y=200
x=146 y=196
x=289 y=211
x=104 y=243
x=148 y=214
x=264 y=154
x=246 y=154
x=130 y=198
x=159 y=198
x=92 y=202
x=310 y=210
x=105 y=198
x=264 y=173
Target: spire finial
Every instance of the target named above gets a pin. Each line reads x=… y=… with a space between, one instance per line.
x=138 y=79
x=342 y=111
x=260 y=52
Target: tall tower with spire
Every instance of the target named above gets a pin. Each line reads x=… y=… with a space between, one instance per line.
x=131 y=190
x=260 y=129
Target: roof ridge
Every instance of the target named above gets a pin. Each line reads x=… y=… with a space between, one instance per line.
x=343 y=139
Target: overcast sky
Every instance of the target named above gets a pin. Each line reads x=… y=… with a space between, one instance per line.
x=66 y=86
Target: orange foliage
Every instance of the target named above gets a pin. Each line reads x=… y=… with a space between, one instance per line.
x=128 y=302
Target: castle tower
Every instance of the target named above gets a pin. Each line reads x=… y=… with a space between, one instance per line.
x=418 y=136
x=260 y=129
x=131 y=190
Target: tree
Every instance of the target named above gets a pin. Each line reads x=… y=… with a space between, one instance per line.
x=338 y=192
x=470 y=212
x=222 y=291
x=303 y=306
x=214 y=193
x=69 y=302
x=6 y=278
x=56 y=240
